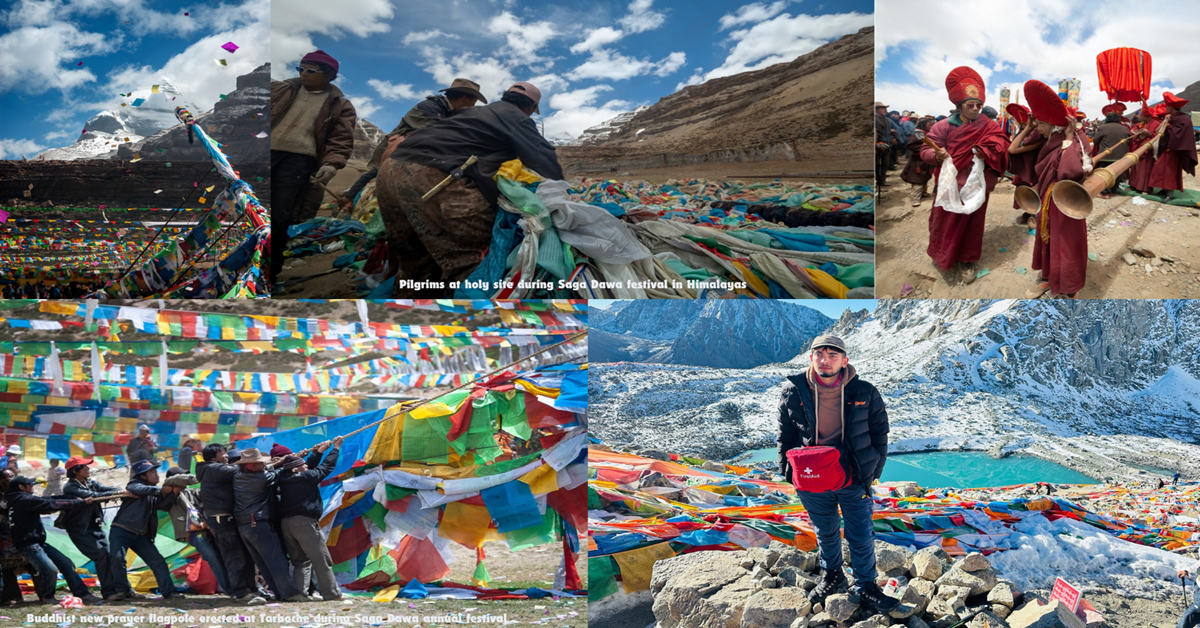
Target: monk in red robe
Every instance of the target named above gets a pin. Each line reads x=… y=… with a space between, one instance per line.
x=1022 y=155
x=1060 y=244
x=1139 y=173
x=958 y=238
x=1176 y=149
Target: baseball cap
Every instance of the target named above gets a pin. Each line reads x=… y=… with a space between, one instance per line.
x=529 y=90
x=75 y=461
x=22 y=480
x=828 y=341
x=142 y=466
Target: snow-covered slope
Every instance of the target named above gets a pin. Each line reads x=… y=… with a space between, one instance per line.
x=602 y=131
x=1053 y=378
x=128 y=124
x=718 y=333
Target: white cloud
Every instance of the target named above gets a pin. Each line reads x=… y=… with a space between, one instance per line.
x=60 y=134
x=752 y=14
x=670 y=64
x=493 y=75
x=784 y=38
x=41 y=58
x=418 y=37
x=15 y=149
x=574 y=111
x=935 y=43
x=641 y=18
x=696 y=78
x=608 y=65
x=597 y=38
x=523 y=40
x=293 y=22
x=394 y=91
x=364 y=106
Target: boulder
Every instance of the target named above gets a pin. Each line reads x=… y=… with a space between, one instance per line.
x=839 y=607
x=1001 y=611
x=664 y=570
x=916 y=622
x=950 y=601
x=1037 y=614
x=713 y=466
x=820 y=619
x=792 y=577
x=877 y=621
x=1002 y=594
x=1138 y=249
x=710 y=594
x=770 y=582
x=655 y=454
x=987 y=620
x=926 y=566
x=794 y=558
x=974 y=562
x=913 y=599
x=801 y=622
x=775 y=608
x=892 y=559
x=759 y=572
x=981 y=581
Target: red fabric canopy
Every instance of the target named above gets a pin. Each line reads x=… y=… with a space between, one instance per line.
x=1124 y=74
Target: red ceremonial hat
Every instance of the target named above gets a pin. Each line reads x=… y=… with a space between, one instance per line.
x=1079 y=115
x=963 y=83
x=1174 y=101
x=1113 y=107
x=1044 y=103
x=1019 y=112
x=1159 y=110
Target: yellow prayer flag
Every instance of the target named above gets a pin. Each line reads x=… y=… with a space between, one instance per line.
x=388 y=594
x=636 y=565
x=541 y=480
x=57 y=307
x=153 y=89
x=386 y=445
x=466 y=524
x=34 y=448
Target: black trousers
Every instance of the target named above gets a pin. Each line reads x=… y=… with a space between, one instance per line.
x=239 y=565
x=289 y=181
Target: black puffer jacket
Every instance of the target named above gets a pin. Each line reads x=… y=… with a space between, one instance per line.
x=300 y=493
x=140 y=514
x=216 y=487
x=88 y=517
x=864 y=426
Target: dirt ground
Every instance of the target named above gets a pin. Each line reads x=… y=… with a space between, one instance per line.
x=1172 y=233
x=311 y=277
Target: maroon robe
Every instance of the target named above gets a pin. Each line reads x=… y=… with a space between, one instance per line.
x=955 y=237
x=1139 y=173
x=916 y=171
x=1021 y=166
x=1176 y=153
x=1060 y=244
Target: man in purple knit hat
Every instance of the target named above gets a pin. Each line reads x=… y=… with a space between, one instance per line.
x=312 y=135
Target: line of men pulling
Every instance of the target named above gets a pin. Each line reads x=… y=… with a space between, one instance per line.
x=250 y=512
x=441 y=238
x=1050 y=148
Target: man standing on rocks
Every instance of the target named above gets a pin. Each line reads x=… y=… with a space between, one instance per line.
x=829 y=406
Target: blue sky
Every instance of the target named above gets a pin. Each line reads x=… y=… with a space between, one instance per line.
x=1045 y=40
x=829 y=307
x=592 y=60
x=124 y=45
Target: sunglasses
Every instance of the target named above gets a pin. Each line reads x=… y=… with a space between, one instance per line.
x=973 y=105
x=300 y=70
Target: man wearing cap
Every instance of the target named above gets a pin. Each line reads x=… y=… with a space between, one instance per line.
x=253 y=493
x=1060 y=242
x=301 y=508
x=216 y=475
x=312 y=135
x=829 y=406
x=84 y=524
x=1176 y=149
x=11 y=457
x=885 y=134
x=141 y=447
x=188 y=524
x=956 y=237
x=29 y=536
x=461 y=94
x=444 y=238
x=135 y=527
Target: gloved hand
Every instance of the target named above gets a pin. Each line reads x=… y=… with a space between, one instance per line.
x=325 y=174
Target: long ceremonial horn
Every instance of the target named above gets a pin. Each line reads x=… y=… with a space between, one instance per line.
x=1027 y=199
x=1075 y=200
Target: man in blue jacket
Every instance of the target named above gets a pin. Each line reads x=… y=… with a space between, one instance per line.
x=135 y=527
x=829 y=406
x=83 y=524
x=29 y=536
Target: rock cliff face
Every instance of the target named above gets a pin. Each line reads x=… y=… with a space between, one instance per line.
x=235 y=122
x=766 y=114
x=366 y=137
x=1190 y=93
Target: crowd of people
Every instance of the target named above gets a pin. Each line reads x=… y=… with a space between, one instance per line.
x=1039 y=146
x=437 y=138
x=58 y=290
x=254 y=514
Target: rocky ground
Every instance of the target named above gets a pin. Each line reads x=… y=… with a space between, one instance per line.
x=1143 y=249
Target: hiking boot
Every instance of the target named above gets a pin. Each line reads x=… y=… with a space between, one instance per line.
x=832 y=581
x=91 y=600
x=299 y=597
x=871 y=597
x=255 y=601
x=117 y=597
x=134 y=595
